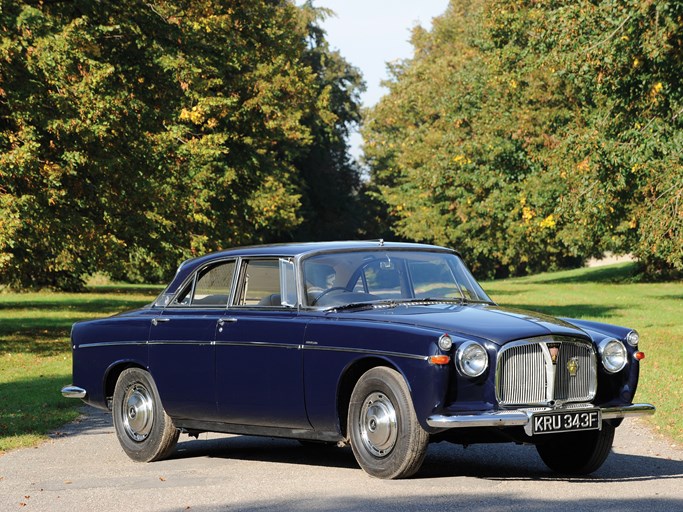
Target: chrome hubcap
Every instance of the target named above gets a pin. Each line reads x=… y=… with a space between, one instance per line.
x=378 y=425
x=137 y=412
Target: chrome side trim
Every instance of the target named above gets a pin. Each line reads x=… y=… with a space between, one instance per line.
x=74 y=392
x=521 y=417
x=263 y=344
x=111 y=344
x=179 y=342
x=365 y=351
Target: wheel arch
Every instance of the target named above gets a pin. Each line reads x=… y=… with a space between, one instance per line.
x=348 y=381
x=111 y=376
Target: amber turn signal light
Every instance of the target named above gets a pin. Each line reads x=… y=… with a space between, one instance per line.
x=439 y=359
x=639 y=356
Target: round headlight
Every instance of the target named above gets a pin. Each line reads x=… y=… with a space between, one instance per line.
x=632 y=338
x=445 y=342
x=471 y=359
x=613 y=353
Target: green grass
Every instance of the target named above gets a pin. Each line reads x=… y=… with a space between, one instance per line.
x=608 y=294
x=35 y=356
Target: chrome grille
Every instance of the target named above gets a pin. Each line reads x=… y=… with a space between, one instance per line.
x=527 y=375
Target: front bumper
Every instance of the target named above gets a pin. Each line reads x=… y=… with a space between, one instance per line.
x=522 y=417
x=74 y=392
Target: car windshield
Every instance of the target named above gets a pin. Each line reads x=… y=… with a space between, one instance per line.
x=342 y=279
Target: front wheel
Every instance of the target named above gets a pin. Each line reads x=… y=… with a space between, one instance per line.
x=145 y=431
x=386 y=438
x=577 y=453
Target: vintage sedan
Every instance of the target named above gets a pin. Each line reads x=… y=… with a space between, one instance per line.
x=383 y=346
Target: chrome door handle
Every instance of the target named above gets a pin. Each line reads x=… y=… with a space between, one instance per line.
x=156 y=321
x=228 y=320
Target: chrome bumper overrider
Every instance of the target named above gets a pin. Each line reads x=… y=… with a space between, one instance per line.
x=73 y=392
x=522 y=417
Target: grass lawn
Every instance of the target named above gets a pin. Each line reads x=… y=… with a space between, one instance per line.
x=35 y=357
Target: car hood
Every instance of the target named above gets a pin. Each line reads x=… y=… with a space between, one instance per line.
x=494 y=323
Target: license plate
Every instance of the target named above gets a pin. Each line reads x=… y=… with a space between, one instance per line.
x=564 y=421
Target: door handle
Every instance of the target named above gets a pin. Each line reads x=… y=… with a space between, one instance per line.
x=156 y=321
x=228 y=320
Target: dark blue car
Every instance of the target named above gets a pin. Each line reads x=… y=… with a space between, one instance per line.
x=383 y=346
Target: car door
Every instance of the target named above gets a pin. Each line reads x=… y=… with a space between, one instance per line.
x=259 y=361
x=181 y=343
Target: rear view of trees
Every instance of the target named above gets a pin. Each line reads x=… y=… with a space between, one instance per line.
x=136 y=134
x=535 y=134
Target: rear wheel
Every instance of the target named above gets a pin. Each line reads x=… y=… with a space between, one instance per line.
x=577 y=453
x=386 y=438
x=145 y=431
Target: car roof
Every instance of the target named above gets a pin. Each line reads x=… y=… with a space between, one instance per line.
x=291 y=250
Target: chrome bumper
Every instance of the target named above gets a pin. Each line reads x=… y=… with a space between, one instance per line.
x=74 y=392
x=522 y=417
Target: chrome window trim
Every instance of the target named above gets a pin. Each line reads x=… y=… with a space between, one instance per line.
x=193 y=278
x=302 y=258
x=238 y=284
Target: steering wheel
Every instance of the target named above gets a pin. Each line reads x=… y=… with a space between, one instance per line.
x=334 y=288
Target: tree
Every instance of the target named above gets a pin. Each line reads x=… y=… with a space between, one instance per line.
x=330 y=179
x=517 y=131
x=134 y=135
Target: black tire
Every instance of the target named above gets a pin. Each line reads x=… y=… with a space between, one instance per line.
x=145 y=431
x=385 y=436
x=577 y=453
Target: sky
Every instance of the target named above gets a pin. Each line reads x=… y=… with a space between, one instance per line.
x=370 y=33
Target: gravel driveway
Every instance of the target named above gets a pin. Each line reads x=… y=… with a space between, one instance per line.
x=83 y=468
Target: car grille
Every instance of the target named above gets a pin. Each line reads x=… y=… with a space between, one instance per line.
x=545 y=370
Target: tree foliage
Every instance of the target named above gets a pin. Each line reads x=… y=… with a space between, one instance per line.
x=533 y=134
x=136 y=134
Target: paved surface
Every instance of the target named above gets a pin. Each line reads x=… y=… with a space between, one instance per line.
x=83 y=468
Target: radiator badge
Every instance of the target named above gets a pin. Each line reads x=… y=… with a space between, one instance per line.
x=554 y=350
x=573 y=366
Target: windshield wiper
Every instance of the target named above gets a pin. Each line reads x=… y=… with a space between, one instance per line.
x=429 y=300
x=392 y=303
x=363 y=305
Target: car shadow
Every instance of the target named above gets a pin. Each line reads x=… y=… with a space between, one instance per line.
x=496 y=462
x=266 y=449
x=444 y=460
x=509 y=462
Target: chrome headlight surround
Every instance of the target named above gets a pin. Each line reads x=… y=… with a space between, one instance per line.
x=632 y=338
x=445 y=342
x=613 y=355
x=471 y=359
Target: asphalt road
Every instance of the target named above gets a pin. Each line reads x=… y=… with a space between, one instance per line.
x=83 y=468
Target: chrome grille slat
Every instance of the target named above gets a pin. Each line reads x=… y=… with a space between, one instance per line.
x=526 y=375
x=520 y=380
x=567 y=388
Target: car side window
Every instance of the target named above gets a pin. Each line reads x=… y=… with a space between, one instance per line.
x=259 y=283
x=210 y=288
